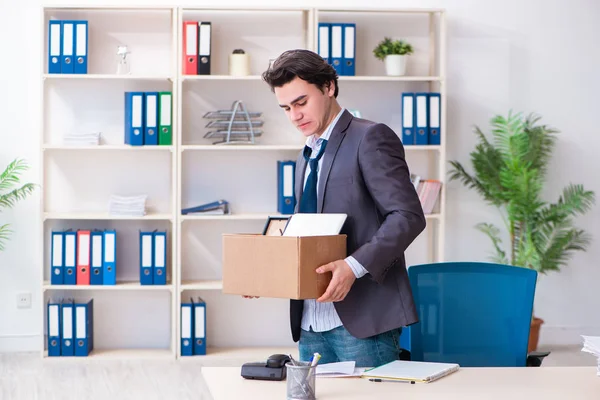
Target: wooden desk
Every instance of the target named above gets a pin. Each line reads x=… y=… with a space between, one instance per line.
x=547 y=383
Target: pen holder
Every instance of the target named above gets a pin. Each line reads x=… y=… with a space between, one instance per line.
x=301 y=381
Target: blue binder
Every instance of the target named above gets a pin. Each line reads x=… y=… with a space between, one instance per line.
x=81 y=47
x=134 y=118
x=109 y=258
x=286 y=199
x=146 y=258
x=70 y=265
x=435 y=117
x=187 y=329
x=349 y=42
x=54 y=328
x=408 y=118
x=160 y=258
x=97 y=252
x=337 y=47
x=421 y=118
x=199 y=327
x=67 y=346
x=324 y=48
x=151 y=114
x=67 y=35
x=57 y=259
x=84 y=328
x=54 y=47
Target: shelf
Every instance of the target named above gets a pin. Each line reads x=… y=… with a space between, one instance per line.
x=104 y=216
x=107 y=77
x=107 y=147
x=118 y=354
x=390 y=78
x=236 y=356
x=414 y=147
x=249 y=216
x=201 y=285
x=405 y=78
x=381 y=10
x=220 y=77
x=119 y=286
x=242 y=147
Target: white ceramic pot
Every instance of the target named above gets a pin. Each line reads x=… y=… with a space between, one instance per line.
x=239 y=64
x=395 y=64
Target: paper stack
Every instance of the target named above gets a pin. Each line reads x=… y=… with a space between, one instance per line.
x=127 y=205
x=84 y=139
x=591 y=344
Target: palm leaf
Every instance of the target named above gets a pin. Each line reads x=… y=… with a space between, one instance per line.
x=10 y=176
x=11 y=198
x=5 y=233
x=494 y=234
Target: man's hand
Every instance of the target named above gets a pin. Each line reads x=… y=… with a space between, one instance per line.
x=342 y=280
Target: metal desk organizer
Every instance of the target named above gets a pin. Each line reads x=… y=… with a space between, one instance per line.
x=234 y=126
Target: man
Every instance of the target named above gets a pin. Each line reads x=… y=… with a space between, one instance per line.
x=357 y=167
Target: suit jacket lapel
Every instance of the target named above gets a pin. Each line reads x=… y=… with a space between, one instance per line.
x=335 y=139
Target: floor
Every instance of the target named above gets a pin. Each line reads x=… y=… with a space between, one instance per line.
x=25 y=376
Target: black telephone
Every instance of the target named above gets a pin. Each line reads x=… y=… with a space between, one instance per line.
x=273 y=370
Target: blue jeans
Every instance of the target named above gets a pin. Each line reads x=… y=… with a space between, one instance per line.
x=339 y=345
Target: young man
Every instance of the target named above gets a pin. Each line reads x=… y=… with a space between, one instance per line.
x=357 y=167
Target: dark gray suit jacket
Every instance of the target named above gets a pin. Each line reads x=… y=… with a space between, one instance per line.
x=364 y=175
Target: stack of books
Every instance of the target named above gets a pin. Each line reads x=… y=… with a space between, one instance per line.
x=127 y=205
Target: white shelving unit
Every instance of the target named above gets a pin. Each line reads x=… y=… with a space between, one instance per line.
x=130 y=320
x=194 y=171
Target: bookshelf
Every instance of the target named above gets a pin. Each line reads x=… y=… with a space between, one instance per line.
x=193 y=171
x=130 y=320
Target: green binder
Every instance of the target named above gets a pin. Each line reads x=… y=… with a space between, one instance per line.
x=165 y=118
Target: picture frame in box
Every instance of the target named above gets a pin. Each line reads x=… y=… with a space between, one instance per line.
x=275 y=226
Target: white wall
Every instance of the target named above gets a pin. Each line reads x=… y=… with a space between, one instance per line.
x=535 y=56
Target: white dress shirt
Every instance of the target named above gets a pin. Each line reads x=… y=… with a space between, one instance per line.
x=322 y=316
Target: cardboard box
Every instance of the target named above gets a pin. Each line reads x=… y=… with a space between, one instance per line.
x=279 y=266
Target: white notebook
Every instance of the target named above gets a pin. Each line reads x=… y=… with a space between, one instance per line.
x=416 y=371
x=314 y=224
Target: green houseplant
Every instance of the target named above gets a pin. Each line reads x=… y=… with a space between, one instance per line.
x=10 y=195
x=393 y=53
x=509 y=173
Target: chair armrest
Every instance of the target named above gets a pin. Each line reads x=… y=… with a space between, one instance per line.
x=534 y=359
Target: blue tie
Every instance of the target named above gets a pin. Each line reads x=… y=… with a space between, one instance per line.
x=308 y=201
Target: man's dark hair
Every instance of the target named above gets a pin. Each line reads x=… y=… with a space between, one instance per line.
x=304 y=64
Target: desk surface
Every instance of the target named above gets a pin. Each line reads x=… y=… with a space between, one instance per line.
x=548 y=383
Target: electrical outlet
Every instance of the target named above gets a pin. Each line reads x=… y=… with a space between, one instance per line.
x=24 y=300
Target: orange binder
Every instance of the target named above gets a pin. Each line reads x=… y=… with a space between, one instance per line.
x=83 y=257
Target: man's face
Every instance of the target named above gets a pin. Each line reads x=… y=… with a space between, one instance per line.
x=305 y=105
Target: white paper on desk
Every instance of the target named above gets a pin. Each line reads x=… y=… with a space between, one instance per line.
x=342 y=369
x=318 y=224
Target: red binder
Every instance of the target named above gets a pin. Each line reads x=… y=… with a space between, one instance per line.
x=190 y=47
x=83 y=257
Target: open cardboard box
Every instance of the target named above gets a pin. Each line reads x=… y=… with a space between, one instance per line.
x=279 y=266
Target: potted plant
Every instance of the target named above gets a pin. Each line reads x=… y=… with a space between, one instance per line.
x=509 y=173
x=9 y=195
x=393 y=53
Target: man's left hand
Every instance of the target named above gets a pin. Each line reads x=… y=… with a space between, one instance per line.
x=342 y=280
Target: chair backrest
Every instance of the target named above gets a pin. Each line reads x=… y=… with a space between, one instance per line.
x=472 y=313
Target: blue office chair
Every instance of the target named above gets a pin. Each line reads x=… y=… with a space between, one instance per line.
x=471 y=313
